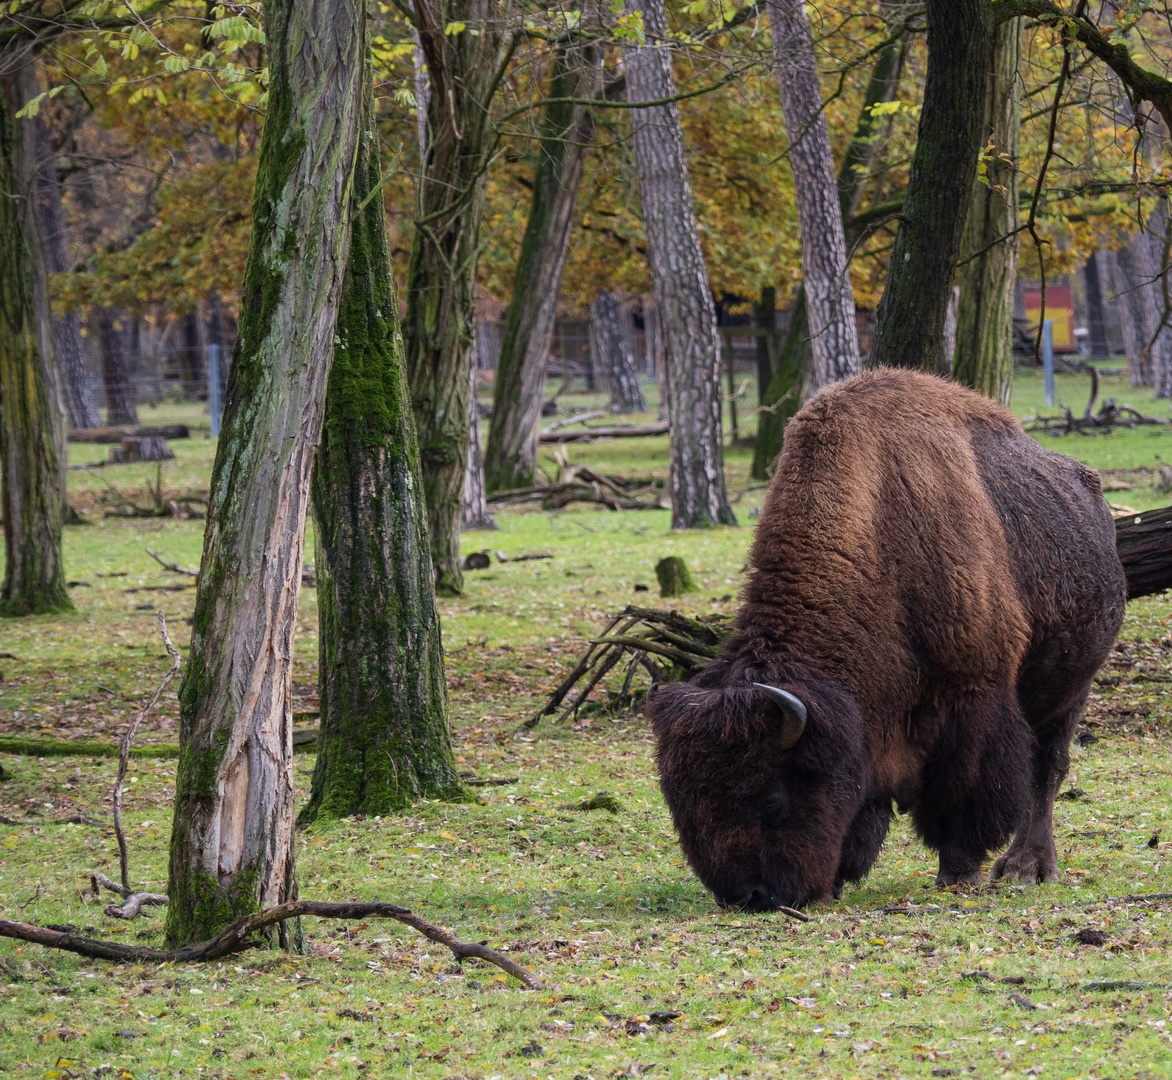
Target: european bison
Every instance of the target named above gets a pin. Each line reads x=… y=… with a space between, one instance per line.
x=931 y=595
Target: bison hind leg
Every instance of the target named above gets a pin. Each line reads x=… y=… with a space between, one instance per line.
x=976 y=784
x=863 y=842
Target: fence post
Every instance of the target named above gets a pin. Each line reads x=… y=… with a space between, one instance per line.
x=1048 y=359
x=215 y=408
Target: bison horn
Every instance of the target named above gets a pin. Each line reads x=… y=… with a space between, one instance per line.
x=793 y=710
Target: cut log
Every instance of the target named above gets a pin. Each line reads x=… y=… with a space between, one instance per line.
x=1144 y=543
x=141 y=448
x=117 y=434
x=618 y=431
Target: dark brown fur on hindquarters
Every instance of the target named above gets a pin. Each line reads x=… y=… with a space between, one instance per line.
x=938 y=591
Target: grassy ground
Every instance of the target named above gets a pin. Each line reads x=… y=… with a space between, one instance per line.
x=641 y=969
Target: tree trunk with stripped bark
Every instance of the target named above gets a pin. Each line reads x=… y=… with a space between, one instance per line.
x=911 y=316
x=679 y=278
x=232 y=836
x=830 y=302
x=510 y=459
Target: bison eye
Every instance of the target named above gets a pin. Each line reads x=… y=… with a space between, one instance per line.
x=775 y=804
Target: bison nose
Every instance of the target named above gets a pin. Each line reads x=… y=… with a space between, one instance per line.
x=757 y=898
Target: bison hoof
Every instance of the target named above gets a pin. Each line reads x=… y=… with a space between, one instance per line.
x=1028 y=867
x=947 y=878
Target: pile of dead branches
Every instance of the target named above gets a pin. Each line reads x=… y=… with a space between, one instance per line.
x=580 y=483
x=665 y=645
x=1111 y=415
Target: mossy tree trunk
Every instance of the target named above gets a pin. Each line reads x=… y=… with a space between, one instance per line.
x=910 y=329
x=232 y=837
x=830 y=302
x=510 y=459
x=679 y=281
x=78 y=394
x=464 y=70
x=384 y=741
x=787 y=389
x=32 y=419
x=983 y=358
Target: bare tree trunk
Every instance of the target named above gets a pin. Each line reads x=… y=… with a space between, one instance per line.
x=474 y=514
x=121 y=393
x=922 y=272
x=1158 y=302
x=75 y=383
x=984 y=323
x=1096 y=320
x=948 y=347
x=830 y=302
x=384 y=741
x=679 y=278
x=232 y=837
x=32 y=419
x=464 y=71
x=1140 y=297
x=511 y=455
x=615 y=356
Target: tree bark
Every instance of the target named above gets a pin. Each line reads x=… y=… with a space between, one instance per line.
x=474 y=512
x=32 y=420
x=911 y=314
x=1096 y=320
x=121 y=393
x=1140 y=294
x=983 y=358
x=384 y=741
x=510 y=459
x=464 y=70
x=830 y=302
x=679 y=278
x=787 y=390
x=231 y=841
x=614 y=353
x=79 y=395
x=765 y=318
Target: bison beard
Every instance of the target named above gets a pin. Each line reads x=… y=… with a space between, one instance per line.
x=937 y=592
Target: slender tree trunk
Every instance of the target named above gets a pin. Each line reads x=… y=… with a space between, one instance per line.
x=1096 y=320
x=1126 y=284
x=679 y=278
x=830 y=302
x=32 y=420
x=510 y=459
x=232 y=837
x=615 y=356
x=911 y=317
x=765 y=318
x=1158 y=305
x=983 y=358
x=474 y=513
x=464 y=71
x=121 y=393
x=787 y=390
x=79 y=395
x=1139 y=287
x=384 y=740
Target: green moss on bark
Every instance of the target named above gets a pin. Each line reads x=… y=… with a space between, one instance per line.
x=384 y=738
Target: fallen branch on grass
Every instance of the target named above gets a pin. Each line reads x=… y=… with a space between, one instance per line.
x=308 y=572
x=1110 y=416
x=132 y=902
x=238 y=937
x=173 y=567
x=570 y=421
x=73 y=819
x=616 y=431
x=580 y=483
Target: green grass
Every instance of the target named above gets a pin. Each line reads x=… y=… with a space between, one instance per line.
x=600 y=905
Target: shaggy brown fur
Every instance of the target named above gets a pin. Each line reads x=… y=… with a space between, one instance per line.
x=939 y=591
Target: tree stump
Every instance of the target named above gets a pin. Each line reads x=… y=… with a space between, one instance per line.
x=674 y=579
x=141 y=448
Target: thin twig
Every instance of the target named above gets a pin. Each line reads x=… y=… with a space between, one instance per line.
x=175 y=567
x=123 y=911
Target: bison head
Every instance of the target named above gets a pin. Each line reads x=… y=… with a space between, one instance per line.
x=765 y=787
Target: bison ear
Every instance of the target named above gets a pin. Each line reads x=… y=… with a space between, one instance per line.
x=793 y=711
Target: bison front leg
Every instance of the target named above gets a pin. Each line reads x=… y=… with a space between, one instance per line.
x=1032 y=857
